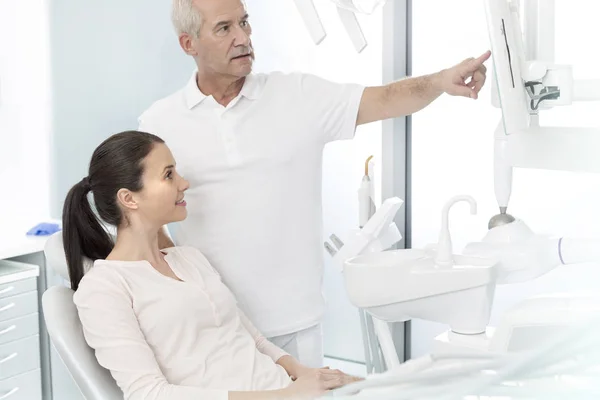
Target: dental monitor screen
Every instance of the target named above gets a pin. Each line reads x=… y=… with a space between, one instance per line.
x=507 y=52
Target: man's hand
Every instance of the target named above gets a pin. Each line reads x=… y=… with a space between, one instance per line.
x=407 y=96
x=465 y=79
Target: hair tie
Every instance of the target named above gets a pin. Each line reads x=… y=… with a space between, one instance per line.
x=86 y=183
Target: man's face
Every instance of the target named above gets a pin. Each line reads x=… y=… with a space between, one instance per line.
x=223 y=46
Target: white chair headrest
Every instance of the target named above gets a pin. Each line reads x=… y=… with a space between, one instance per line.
x=55 y=256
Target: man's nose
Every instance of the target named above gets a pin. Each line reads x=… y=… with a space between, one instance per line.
x=242 y=38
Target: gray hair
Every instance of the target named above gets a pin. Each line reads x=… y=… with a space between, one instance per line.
x=186 y=18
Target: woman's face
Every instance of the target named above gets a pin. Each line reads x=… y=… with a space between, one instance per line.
x=161 y=199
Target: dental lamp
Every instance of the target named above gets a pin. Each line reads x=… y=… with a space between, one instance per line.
x=347 y=10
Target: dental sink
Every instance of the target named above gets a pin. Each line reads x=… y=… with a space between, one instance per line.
x=403 y=284
x=431 y=284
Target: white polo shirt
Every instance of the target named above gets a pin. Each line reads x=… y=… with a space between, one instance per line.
x=255 y=173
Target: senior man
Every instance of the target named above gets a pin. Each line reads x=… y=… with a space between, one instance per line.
x=251 y=147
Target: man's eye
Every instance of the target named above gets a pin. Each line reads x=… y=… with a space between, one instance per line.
x=244 y=23
x=169 y=174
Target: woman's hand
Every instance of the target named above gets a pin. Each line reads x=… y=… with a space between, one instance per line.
x=302 y=370
x=311 y=382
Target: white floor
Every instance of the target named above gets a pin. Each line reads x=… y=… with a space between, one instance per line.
x=351 y=368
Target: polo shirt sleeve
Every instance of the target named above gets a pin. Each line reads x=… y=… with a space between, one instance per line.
x=332 y=108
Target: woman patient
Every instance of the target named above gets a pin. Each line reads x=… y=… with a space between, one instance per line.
x=160 y=320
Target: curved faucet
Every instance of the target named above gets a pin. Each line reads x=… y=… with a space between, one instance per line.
x=444 y=248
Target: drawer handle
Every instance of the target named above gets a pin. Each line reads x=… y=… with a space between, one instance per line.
x=8 y=289
x=7 y=395
x=8 y=358
x=9 y=329
x=7 y=307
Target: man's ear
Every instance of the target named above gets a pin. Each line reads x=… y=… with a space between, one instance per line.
x=186 y=43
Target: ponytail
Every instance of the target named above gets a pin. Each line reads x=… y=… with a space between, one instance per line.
x=83 y=235
x=117 y=163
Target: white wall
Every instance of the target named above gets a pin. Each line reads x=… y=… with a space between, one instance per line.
x=109 y=60
x=24 y=113
x=452 y=149
x=283 y=43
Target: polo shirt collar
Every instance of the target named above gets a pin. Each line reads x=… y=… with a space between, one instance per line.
x=193 y=96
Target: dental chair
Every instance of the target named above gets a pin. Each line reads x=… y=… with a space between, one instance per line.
x=66 y=334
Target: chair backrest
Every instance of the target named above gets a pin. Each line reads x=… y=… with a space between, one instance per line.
x=66 y=334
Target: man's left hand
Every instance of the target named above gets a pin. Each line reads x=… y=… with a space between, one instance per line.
x=465 y=79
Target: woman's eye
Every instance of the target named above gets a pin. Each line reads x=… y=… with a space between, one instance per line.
x=169 y=175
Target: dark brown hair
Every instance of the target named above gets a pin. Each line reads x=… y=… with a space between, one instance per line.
x=116 y=164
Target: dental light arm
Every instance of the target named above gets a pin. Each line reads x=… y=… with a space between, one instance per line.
x=311 y=19
x=347 y=10
x=353 y=29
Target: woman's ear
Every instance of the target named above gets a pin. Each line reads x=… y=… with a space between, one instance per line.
x=126 y=199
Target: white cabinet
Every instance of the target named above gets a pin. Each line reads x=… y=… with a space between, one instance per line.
x=56 y=381
x=20 y=373
x=25 y=386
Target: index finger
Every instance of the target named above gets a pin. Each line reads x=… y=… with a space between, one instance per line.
x=481 y=59
x=476 y=63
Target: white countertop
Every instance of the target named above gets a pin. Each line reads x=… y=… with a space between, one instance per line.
x=14 y=241
x=11 y=271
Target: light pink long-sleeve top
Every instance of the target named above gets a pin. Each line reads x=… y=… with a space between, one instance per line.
x=164 y=339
